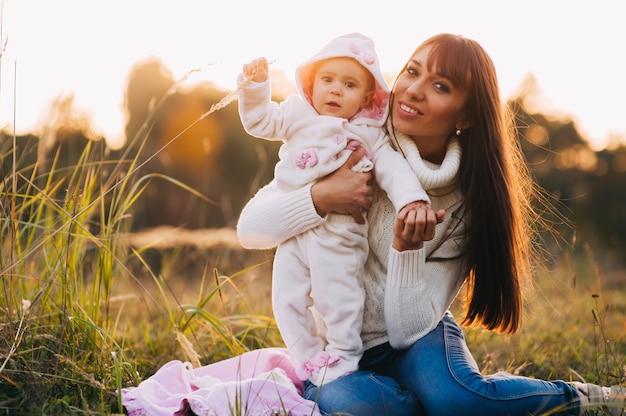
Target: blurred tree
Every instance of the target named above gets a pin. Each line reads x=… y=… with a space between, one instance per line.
x=168 y=134
x=22 y=149
x=63 y=134
x=588 y=184
x=210 y=154
x=50 y=158
x=147 y=84
x=25 y=150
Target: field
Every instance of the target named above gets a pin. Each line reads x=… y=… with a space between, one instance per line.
x=89 y=307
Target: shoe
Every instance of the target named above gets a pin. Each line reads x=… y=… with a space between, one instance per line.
x=612 y=400
x=617 y=401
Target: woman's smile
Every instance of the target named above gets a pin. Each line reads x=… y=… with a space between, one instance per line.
x=410 y=110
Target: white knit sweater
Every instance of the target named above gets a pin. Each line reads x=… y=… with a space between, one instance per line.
x=407 y=293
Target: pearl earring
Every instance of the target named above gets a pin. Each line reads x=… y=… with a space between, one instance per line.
x=458 y=132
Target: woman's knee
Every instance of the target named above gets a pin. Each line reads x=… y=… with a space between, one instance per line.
x=364 y=393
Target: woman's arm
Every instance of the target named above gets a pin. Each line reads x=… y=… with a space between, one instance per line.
x=419 y=294
x=273 y=216
x=422 y=283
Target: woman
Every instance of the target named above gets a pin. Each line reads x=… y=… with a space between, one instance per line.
x=446 y=118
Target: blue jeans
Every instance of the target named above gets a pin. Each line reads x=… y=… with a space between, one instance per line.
x=437 y=376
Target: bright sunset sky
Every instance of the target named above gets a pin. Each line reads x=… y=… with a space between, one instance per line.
x=576 y=49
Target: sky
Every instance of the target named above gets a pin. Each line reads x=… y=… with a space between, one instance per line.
x=575 y=49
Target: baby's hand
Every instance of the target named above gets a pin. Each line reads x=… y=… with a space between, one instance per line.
x=256 y=70
x=415 y=224
x=416 y=206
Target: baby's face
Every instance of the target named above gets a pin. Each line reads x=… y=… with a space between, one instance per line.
x=341 y=87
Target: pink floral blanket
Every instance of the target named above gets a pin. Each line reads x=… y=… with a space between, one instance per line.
x=258 y=383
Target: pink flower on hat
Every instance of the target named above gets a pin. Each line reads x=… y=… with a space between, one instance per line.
x=366 y=56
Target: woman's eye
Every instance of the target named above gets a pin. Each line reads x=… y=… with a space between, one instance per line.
x=350 y=85
x=442 y=87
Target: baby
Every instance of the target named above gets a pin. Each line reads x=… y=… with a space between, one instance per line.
x=317 y=295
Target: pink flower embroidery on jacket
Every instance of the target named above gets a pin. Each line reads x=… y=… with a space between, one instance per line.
x=305 y=158
x=319 y=361
x=354 y=145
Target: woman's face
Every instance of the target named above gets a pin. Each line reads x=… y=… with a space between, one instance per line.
x=426 y=105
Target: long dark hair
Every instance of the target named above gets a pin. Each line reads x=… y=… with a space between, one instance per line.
x=497 y=186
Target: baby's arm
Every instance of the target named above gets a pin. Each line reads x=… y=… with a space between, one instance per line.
x=260 y=115
x=257 y=70
x=393 y=172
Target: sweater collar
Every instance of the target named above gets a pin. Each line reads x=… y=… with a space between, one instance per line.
x=431 y=175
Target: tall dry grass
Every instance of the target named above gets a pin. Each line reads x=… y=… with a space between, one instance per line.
x=84 y=310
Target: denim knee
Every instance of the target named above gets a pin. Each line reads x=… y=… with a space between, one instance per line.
x=364 y=393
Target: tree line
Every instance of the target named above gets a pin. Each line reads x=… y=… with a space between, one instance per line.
x=203 y=169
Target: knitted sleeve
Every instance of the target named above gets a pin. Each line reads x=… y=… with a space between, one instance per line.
x=273 y=216
x=420 y=288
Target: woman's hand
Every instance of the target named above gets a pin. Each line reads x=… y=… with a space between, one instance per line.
x=415 y=224
x=345 y=191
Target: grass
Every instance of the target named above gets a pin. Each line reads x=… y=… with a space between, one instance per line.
x=84 y=314
x=86 y=311
x=574 y=329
